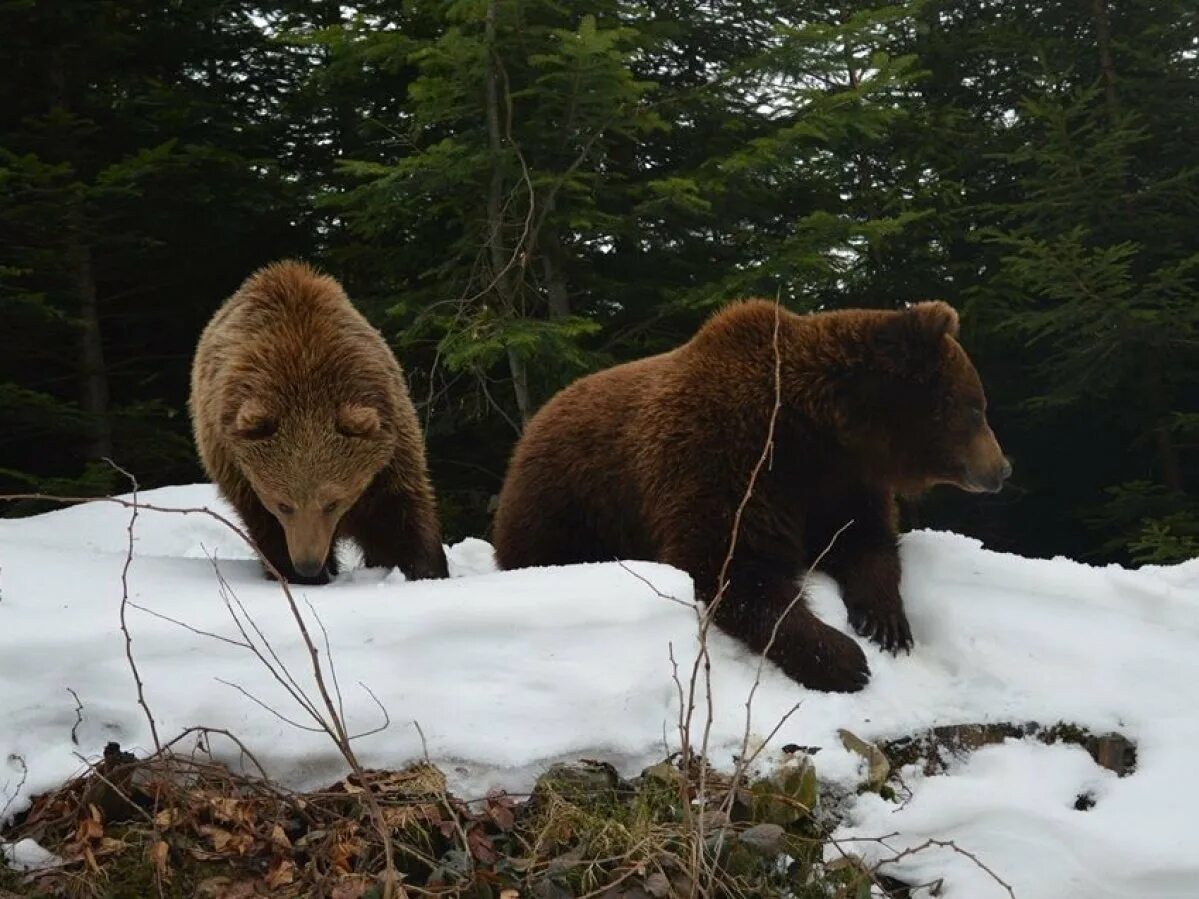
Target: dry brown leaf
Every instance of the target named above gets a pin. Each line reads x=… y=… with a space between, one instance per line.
x=398 y=816
x=352 y=887
x=219 y=836
x=212 y=887
x=226 y=808
x=89 y=828
x=243 y=889
x=279 y=838
x=340 y=855
x=509 y=894
x=502 y=816
x=167 y=818
x=107 y=846
x=481 y=847
x=282 y=873
x=313 y=836
x=159 y=854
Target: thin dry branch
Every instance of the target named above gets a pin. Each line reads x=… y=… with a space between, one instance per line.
x=944 y=844
x=703 y=657
x=333 y=725
x=187 y=627
x=800 y=593
x=124 y=609
x=14 y=758
x=206 y=732
x=267 y=707
x=78 y=717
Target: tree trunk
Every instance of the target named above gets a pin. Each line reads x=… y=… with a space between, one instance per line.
x=1163 y=440
x=93 y=374
x=1107 y=66
x=496 y=251
x=555 y=278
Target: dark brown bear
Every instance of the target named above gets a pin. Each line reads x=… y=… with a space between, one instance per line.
x=650 y=460
x=303 y=420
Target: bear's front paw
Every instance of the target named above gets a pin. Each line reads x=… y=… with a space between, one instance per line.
x=830 y=661
x=887 y=626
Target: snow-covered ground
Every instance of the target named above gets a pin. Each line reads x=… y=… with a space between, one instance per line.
x=507 y=672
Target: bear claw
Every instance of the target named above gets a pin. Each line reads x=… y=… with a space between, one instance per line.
x=890 y=630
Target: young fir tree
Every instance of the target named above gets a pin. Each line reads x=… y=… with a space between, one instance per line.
x=478 y=192
x=1100 y=273
x=138 y=182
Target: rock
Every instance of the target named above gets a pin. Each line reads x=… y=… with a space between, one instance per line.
x=766 y=839
x=547 y=889
x=1114 y=752
x=875 y=758
x=658 y=885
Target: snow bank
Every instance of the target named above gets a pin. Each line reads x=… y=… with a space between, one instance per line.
x=507 y=672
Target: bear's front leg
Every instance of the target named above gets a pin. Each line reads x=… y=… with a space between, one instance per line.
x=869 y=580
x=808 y=650
x=861 y=554
x=396 y=531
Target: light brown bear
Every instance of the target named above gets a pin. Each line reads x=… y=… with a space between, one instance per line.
x=652 y=459
x=303 y=421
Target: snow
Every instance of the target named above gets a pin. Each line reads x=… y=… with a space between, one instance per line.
x=27 y=855
x=508 y=672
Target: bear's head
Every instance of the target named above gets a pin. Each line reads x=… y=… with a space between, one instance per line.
x=309 y=463
x=915 y=409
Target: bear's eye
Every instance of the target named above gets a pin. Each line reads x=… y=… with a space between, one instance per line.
x=285 y=509
x=976 y=415
x=329 y=507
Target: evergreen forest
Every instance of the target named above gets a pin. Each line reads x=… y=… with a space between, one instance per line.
x=518 y=192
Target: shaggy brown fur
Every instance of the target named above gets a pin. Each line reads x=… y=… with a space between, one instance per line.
x=649 y=460
x=303 y=420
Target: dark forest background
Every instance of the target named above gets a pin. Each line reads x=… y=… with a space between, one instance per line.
x=521 y=191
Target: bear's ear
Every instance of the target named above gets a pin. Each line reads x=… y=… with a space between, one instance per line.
x=253 y=421
x=934 y=317
x=357 y=420
x=910 y=340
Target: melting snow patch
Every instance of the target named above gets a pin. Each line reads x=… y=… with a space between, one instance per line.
x=508 y=672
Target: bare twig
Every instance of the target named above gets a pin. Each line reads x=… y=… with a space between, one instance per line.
x=187 y=627
x=19 y=760
x=331 y=724
x=945 y=844
x=382 y=708
x=703 y=658
x=137 y=678
x=258 y=702
x=207 y=731
x=78 y=717
x=800 y=594
x=341 y=709
x=660 y=594
x=444 y=799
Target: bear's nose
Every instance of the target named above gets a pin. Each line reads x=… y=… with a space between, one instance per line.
x=308 y=567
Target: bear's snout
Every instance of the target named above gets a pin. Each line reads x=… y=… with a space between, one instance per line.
x=993 y=481
x=308 y=567
x=310 y=535
x=986 y=467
